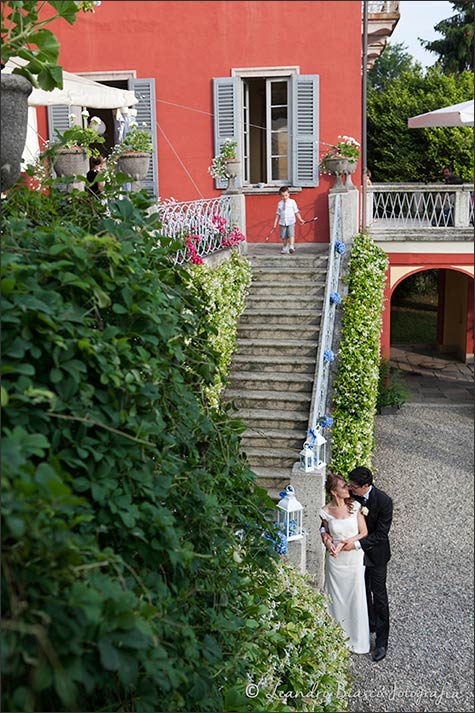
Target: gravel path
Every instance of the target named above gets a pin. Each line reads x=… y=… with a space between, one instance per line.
x=424 y=460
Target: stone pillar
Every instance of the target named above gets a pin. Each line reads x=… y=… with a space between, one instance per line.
x=297 y=554
x=349 y=201
x=238 y=214
x=310 y=491
x=461 y=209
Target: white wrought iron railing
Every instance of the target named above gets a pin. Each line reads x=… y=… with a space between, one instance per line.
x=331 y=300
x=206 y=223
x=415 y=205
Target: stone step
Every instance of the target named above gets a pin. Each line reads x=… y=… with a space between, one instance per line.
x=255 y=300
x=283 y=332
x=272 y=457
x=309 y=288
x=275 y=480
x=296 y=260
x=260 y=399
x=260 y=363
x=252 y=380
x=269 y=347
x=295 y=274
x=273 y=419
x=286 y=438
x=280 y=315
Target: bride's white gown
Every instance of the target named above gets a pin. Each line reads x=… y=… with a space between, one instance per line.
x=344 y=583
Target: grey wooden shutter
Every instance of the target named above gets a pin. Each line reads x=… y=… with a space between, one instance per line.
x=226 y=117
x=58 y=118
x=305 y=121
x=145 y=92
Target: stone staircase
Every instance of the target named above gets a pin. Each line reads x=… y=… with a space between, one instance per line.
x=273 y=368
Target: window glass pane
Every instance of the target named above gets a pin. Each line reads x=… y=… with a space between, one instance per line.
x=279 y=118
x=280 y=169
x=280 y=143
x=279 y=93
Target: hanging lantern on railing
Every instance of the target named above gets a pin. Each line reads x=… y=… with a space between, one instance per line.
x=289 y=515
x=306 y=458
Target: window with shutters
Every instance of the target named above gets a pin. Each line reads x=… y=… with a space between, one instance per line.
x=60 y=117
x=265 y=125
x=272 y=114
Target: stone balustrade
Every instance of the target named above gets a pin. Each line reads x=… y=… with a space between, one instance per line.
x=434 y=210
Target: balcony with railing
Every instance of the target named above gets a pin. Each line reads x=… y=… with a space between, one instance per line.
x=383 y=16
x=415 y=211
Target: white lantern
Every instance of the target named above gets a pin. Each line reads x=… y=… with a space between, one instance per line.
x=306 y=457
x=319 y=450
x=289 y=515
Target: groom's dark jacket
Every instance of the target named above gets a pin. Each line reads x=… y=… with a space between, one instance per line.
x=378 y=521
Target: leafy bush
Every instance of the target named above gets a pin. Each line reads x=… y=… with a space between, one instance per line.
x=133 y=549
x=356 y=385
x=298 y=659
x=391 y=392
x=224 y=289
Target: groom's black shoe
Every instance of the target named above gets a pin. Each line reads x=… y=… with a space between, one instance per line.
x=379 y=653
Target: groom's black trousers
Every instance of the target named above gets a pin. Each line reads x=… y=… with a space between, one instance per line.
x=377 y=599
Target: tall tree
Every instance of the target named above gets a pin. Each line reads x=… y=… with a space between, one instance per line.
x=456 y=47
x=397 y=153
x=394 y=60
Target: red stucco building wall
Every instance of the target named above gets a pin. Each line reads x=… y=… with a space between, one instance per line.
x=184 y=45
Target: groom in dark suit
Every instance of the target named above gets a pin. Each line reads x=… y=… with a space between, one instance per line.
x=378 y=509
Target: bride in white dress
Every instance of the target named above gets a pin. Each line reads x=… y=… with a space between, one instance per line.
x=344 y=569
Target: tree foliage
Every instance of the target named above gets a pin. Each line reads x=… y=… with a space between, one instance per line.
x=390 y=65
x=135 y=572
x=397 y=153
x=456 y=47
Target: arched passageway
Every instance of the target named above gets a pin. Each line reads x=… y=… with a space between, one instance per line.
x=432 y=310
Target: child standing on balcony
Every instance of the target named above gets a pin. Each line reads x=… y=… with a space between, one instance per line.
x=287 y=213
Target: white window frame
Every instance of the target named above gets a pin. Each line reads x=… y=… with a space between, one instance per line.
x=268 y=74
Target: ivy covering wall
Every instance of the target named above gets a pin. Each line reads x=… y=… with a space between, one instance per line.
x=356 y=385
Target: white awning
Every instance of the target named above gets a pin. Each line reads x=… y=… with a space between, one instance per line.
x=77 y=91
x=455 y=115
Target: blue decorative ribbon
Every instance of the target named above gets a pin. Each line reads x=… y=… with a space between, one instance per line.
x=340 y=247
x=326 y=421
x=328 y=355
x=335 y=298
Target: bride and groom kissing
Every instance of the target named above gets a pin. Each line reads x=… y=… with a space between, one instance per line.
x=355 y=527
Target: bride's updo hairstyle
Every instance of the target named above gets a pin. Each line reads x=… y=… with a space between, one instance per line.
x=331 y=483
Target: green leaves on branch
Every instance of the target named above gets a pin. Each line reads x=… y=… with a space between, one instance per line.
x=24 y=35
x=135 y=572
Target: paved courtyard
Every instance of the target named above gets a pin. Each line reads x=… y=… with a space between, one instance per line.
x=424 y=460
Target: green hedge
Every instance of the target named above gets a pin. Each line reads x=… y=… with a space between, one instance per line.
x=224 y=290
x=135 y=567
x=356 y=385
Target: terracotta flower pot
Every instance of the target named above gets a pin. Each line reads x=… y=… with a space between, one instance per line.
x=15 y=91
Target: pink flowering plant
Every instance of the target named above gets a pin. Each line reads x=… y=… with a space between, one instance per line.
x=220 y=236
x=345 y=147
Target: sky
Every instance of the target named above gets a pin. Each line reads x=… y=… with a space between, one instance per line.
x=418 y=18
